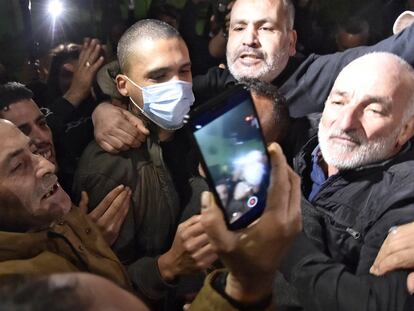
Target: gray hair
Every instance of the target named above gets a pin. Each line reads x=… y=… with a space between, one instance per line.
x=147 y=29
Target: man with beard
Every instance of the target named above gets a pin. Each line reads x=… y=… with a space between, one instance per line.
x=17 y=105
x=261 y=45
x=246 y=283
x=41 y=232
x=357 y=183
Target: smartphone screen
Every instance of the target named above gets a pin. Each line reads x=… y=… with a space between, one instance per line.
x=234 y=156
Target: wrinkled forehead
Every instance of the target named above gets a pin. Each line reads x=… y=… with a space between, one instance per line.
x=12 y=141
x=8 y=132
x=375 y=77
x=256 y=10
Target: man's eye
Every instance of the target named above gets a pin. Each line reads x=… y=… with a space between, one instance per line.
x=43 y=123
x=237 y=28
x=158 y=77
x=25 y=129
x=186 y=70
x=266 y=28
x=32 y=148
x=375 y=111
x=17 y=167
x=338 y=103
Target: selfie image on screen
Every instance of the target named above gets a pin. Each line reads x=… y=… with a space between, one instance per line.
x=233 y=150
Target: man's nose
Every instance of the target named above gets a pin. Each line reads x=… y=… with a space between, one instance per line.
x=39 y=136
x=175 y=77
x=42 y=166
x=349 y=118
x=250 y=37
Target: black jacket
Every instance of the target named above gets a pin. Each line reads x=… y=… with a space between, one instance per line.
x=72 y=130
x=345 y=226
x=307 y=82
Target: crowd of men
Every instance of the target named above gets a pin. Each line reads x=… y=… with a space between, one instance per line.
x=137 y=227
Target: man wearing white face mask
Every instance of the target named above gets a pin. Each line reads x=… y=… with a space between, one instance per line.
x=165 y=104
x=156 y=76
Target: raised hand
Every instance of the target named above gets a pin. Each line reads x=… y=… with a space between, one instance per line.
x=110 y=213
x=89 y=62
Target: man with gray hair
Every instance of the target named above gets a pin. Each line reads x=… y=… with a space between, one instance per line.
x=357 y=183
x=261 y=45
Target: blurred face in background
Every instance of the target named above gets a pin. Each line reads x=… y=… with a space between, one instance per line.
x=26 y=115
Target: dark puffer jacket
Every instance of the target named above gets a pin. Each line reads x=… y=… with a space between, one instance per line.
x=345 y=225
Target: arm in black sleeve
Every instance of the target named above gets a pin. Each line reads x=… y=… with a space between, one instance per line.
x=210 y=84
x=63 y=109
x=59 y=113
x=308 y=87
x=323 y=284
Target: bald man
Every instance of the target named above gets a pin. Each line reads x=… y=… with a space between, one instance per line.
x=357 y=183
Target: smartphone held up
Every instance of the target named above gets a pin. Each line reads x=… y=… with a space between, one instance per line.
x=233 y=154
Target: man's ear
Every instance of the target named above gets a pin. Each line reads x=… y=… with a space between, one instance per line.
x=406 y=132
x=292 y=42
x=121 y=84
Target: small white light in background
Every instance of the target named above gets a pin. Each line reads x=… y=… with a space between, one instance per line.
x=55 y=8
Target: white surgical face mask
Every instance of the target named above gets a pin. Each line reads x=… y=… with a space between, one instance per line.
x=167 y=103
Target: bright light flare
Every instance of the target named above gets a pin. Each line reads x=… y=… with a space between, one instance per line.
x=55 y=8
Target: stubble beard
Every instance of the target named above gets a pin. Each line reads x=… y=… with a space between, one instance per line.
x=269 y=69
x=363 y=152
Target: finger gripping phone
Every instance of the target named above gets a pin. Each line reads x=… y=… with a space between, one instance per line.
x=233 y=154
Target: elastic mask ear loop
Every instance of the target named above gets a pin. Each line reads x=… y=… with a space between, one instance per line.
x=137 y=106
x=130 y=98
x=133 y=83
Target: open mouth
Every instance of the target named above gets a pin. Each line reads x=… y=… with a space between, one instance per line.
x=52 y=191
x=346 y=140
x=250 y=55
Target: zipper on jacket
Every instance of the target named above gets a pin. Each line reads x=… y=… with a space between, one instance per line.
x=355 y=234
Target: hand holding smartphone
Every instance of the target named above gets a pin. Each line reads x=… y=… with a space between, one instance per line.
x=233 y=154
